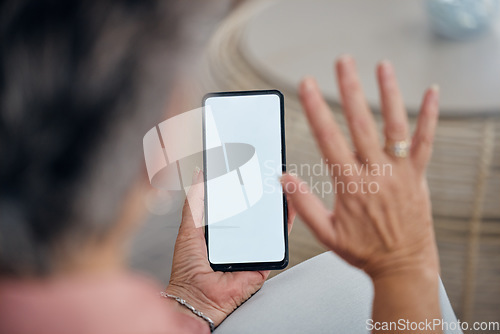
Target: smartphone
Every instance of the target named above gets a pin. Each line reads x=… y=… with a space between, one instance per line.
x=243 y=158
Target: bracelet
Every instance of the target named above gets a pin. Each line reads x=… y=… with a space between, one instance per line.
x=191 y=308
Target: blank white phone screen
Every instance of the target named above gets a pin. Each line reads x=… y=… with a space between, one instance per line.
x=243 y=162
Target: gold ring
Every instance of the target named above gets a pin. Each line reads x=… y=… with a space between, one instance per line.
x=398 y=149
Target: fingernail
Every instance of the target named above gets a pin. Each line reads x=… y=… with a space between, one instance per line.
x=434 y=96
x=308 y=84
x=344 y=65
x=344 y=59
x=386 y=67
x=435 y=87
x=196 y=173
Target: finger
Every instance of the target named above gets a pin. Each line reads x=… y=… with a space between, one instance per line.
x=393 y=108
x=328 y=134
x=423 y=138
x=310 y=209
x=358 y=115
x=192 y=212
x=291 y=214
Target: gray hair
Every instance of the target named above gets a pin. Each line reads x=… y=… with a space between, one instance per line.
x=80 y=84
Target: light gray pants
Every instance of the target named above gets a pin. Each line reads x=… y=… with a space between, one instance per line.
x=321 y=295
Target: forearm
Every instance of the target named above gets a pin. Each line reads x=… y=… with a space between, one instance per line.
x=411 y=296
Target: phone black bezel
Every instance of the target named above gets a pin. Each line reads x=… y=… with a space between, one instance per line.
x=250 y=265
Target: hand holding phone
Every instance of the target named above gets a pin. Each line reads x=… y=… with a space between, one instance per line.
x=218 y=293
x=215 y=293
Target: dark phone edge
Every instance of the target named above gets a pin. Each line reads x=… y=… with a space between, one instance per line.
x=251 y=265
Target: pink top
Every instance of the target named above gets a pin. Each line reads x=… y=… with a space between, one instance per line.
x=118 y=303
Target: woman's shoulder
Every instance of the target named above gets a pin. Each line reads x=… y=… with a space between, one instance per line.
x=105 y=303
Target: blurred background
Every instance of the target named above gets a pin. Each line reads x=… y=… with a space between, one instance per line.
x=454 y=43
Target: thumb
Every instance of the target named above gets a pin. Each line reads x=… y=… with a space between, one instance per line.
x=192 y=212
